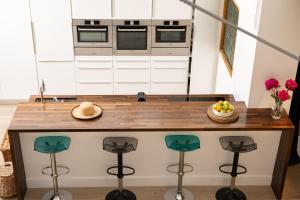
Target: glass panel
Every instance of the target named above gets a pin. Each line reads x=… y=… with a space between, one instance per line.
x=92 y=36
x=172 y=36
x=132 y=40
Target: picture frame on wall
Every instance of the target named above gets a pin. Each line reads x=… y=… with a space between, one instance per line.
x=228 y=34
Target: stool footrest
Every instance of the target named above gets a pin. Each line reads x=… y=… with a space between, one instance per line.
x=229 y=172
x=169 y=168
x=44 y=170
x=124 y=167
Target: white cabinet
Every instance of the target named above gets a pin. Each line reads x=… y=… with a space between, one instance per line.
x=169 y=74
x=94 y=76
x=132 y=9
x=91 y=9
x=18 y=77
x=131 y=74
x=171 y=9
x=59 y=77
x=18 y=80
x=52 y=27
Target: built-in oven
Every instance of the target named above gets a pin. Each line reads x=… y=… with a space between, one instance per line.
x=171 y=37
x=92 y=37
x=131 y=37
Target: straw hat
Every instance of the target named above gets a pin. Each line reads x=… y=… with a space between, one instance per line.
x=86 y=110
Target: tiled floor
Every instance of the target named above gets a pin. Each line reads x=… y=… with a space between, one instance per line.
x=291 y=192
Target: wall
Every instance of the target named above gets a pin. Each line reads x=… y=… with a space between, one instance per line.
x=240 y=82
x=205 y=49
x=279 y=25
x=88 y=162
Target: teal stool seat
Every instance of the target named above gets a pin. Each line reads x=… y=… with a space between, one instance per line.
x=183 y=143
x=51 y=144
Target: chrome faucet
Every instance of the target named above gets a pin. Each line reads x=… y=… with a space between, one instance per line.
x=42 y=90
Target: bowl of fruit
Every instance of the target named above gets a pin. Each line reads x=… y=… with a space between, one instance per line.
x=223 y=109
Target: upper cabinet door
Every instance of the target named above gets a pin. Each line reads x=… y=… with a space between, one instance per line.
x=171 y=9
x=15 y=35
x=52 y=29
x=91 y=9
x=132 y=9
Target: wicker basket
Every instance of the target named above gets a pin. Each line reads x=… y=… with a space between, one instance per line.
x=5 y=148
x=7 y=180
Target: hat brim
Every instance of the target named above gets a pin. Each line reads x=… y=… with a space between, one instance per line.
x=78 y=115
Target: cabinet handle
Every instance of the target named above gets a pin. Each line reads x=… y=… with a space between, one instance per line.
x=171 y=30
x=131 y=60
x=180 y=68
x=91 y=68
x=170 y=60
x=128 y=82
x=132 y=68
x=132 y=30
x=33 y=37
x=95 y=82
x=169 y=82
x=92 y=29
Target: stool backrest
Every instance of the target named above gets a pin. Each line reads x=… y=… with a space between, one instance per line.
x=120 y=144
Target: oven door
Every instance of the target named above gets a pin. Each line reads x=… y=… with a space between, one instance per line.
x=92 y=36
x=132 y=40
x=171 y=36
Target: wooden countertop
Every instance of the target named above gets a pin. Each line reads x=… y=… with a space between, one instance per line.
x=123 y=113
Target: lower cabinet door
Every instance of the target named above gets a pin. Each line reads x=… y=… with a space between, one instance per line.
x=168 y=88
x=94 y=88
x=59 y=77
x=125 y=88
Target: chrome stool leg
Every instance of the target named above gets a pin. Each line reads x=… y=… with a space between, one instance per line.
x=179 y=193
x=56 y=194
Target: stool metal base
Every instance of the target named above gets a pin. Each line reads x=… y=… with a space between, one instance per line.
x=173 y=195
x=63 y=195
x=227 y=193
x=120 y=195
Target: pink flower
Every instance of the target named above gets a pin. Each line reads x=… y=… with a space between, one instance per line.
x=283 y=95
x=271 y=83
x=291 y=85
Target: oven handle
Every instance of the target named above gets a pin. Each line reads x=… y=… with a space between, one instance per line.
x=132 y=30
x=171 y=30
x=92 y=29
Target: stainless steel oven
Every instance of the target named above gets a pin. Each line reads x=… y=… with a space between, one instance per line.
x=131 y=37
x=92 y=37
x=171 y=37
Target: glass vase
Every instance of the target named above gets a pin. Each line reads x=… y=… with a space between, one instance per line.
x=277 y=110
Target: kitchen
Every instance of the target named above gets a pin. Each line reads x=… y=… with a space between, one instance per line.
x=72 y=49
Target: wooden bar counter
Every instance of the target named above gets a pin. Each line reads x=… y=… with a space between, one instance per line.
x=158 y=113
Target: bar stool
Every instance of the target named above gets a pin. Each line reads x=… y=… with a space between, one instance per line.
x=120 y=145
x=181 y=143
x=52 y=145
x=237 y=145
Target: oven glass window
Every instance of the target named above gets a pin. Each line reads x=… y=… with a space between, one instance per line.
x=132 y=38
x=166 y=34
x=99 y=34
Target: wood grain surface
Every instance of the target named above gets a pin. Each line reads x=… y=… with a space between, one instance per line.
x=140 y=116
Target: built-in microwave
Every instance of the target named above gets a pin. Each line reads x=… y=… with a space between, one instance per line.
x=131 y=37
x=171 y=37
x=92 y=37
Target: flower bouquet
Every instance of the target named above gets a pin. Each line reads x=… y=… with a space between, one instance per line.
x=279 y=96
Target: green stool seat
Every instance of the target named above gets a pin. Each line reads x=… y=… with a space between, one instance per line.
x=51 y=144
x=182 y=143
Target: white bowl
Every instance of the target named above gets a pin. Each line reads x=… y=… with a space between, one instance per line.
x=228 y=114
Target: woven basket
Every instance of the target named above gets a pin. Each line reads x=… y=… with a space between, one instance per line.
x=5 y=148
x=7 y=180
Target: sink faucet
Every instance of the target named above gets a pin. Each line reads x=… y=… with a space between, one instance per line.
x=42 y=90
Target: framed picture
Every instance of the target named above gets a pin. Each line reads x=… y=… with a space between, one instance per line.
x=228 y=34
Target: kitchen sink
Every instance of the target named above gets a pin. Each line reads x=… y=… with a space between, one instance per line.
x=57 y=99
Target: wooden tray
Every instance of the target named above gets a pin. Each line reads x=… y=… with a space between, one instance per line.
x=234 y=117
